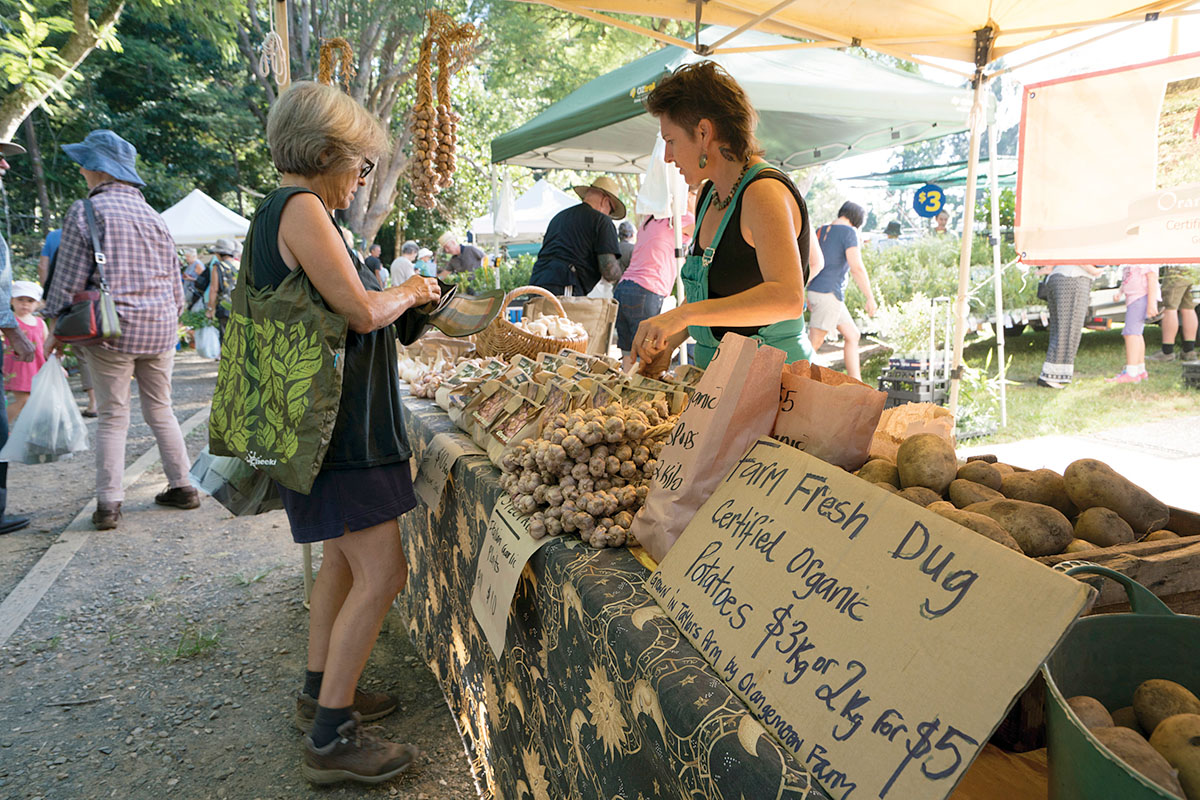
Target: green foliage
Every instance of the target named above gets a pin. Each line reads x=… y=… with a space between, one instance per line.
x=195 y=320
x=513 y=273
x=1008 y=206
x=25 y=57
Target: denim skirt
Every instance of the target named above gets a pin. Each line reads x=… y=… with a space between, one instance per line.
x=344 y=500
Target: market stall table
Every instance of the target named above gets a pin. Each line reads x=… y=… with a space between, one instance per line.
x=597 y=693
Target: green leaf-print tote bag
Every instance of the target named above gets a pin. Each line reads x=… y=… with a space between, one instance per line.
x=280 y=380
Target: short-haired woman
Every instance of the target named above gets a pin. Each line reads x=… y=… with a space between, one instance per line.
x=323 y=144
x=749 y=257
x=827 y=288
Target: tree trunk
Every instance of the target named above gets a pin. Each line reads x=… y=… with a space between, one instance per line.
x=82 y=41
x=39 y=174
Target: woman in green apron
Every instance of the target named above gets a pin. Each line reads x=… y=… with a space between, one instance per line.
x=746 y=269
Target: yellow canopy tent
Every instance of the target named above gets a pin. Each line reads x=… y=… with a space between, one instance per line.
x=976 y=32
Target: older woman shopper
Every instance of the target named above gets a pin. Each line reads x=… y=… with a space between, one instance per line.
x=323 y=142
x=747 y=264
x=142 y=274
x=1070 y=292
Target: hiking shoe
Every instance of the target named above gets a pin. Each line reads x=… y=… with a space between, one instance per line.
x=357 y=754
x=369 y=706
x=1125 y=377
x=106 y=516
x=1188 y=355
x=184 y=497
x=1161 y=356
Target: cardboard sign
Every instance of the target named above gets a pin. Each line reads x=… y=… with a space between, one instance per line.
x=507 y=547
x=878 y=641
x=433 y=473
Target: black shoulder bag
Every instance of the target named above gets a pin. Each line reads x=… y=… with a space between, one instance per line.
x=92 y=317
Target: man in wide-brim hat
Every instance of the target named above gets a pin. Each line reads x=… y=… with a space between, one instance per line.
x=17 y=342
x=580 y=246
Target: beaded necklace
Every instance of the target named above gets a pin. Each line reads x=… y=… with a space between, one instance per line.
x=720 y=204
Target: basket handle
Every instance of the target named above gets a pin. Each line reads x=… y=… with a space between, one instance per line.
x=1141 y=599
x=520 y=290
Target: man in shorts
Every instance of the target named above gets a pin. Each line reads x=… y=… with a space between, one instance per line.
x=1179 y=311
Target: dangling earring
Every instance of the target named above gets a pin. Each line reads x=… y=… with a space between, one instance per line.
x=703 y=160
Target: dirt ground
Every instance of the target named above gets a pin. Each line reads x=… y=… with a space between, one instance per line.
x=164 y=660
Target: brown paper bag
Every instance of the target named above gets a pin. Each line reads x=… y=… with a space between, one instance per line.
x=827 y=414
x=909 y=419
x=734 y=404
x=597 y=314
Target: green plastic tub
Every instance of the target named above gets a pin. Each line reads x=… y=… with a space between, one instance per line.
x=1106 y=657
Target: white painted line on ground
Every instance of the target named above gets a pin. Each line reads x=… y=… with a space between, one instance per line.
x=28 y=593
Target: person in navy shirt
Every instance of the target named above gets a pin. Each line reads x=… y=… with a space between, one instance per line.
x=827 y=288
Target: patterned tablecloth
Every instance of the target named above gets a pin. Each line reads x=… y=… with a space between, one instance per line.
x=597 y=694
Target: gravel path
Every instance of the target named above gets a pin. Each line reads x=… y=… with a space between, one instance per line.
x=165 y=658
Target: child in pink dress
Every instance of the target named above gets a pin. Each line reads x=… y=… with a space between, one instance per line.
x=1139 y=286
x=18 y=375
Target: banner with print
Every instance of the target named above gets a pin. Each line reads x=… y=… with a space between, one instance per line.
x=1110 y=167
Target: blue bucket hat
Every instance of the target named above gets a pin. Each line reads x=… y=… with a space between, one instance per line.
x=105 y=151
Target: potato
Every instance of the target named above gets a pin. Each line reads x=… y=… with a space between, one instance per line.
x=964 y=492
x=1091 y=483
x=1156 y=699
x=1139 y=756
x=976 y=522
x=887 y=487
x=981 y=472
x=1177 y=739
x=1039 y=529
x=1091 y=712
x=986 y=458
x=1126 y=718
x=920 y=495
x=926 y=460
x=1003 y=469
x=1103 y=526
x=1079 y=546
x=1043 y=486
x=879 y=470
x=1161 y=536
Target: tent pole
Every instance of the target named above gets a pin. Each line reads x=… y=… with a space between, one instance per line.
x=281 y=27
x=964 y=258
x=994 y=181
x=496 y=233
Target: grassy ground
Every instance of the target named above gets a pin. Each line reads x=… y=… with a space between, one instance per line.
x=1089 y=403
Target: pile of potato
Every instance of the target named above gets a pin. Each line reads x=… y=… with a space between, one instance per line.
x=1164 y=712
x=1038 y=513
x=589 y=471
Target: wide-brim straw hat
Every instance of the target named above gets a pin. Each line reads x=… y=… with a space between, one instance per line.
x=609 y=187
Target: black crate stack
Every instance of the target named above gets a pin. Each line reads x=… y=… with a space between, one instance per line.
x=909 y=380
x=1191 y=374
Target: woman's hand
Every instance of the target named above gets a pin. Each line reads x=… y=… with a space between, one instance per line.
x=422 y=290
x=656 y=335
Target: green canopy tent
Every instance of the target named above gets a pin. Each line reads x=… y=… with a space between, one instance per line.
x=814 y=106
x=947 y=176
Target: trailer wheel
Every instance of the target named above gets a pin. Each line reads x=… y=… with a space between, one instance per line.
x=1014 y=330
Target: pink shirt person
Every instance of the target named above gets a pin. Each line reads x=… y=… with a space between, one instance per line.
x=652 y=265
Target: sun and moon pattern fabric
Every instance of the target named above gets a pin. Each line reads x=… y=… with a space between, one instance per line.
x=597 y=694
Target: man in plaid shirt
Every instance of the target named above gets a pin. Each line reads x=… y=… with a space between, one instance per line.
x=142 y=274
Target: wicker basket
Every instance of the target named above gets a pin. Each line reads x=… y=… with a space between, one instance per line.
x=503 y=339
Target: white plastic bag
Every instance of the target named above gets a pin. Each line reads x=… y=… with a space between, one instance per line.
x=50 y=425
x=208 y=342
x=602 y=289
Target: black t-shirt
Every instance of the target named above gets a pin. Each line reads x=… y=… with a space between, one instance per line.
x=734 y=266
x=374 y=264
x=469 y=259
x=369 y=431
x=574 y=240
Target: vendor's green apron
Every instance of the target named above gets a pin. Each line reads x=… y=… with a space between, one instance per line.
x=790 y=336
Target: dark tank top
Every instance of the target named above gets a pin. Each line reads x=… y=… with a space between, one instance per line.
x=369 y=431
x=734 y=267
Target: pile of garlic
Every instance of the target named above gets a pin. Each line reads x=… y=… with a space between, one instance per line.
x=423 y=379
x=589 y=472
x=552 y=327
